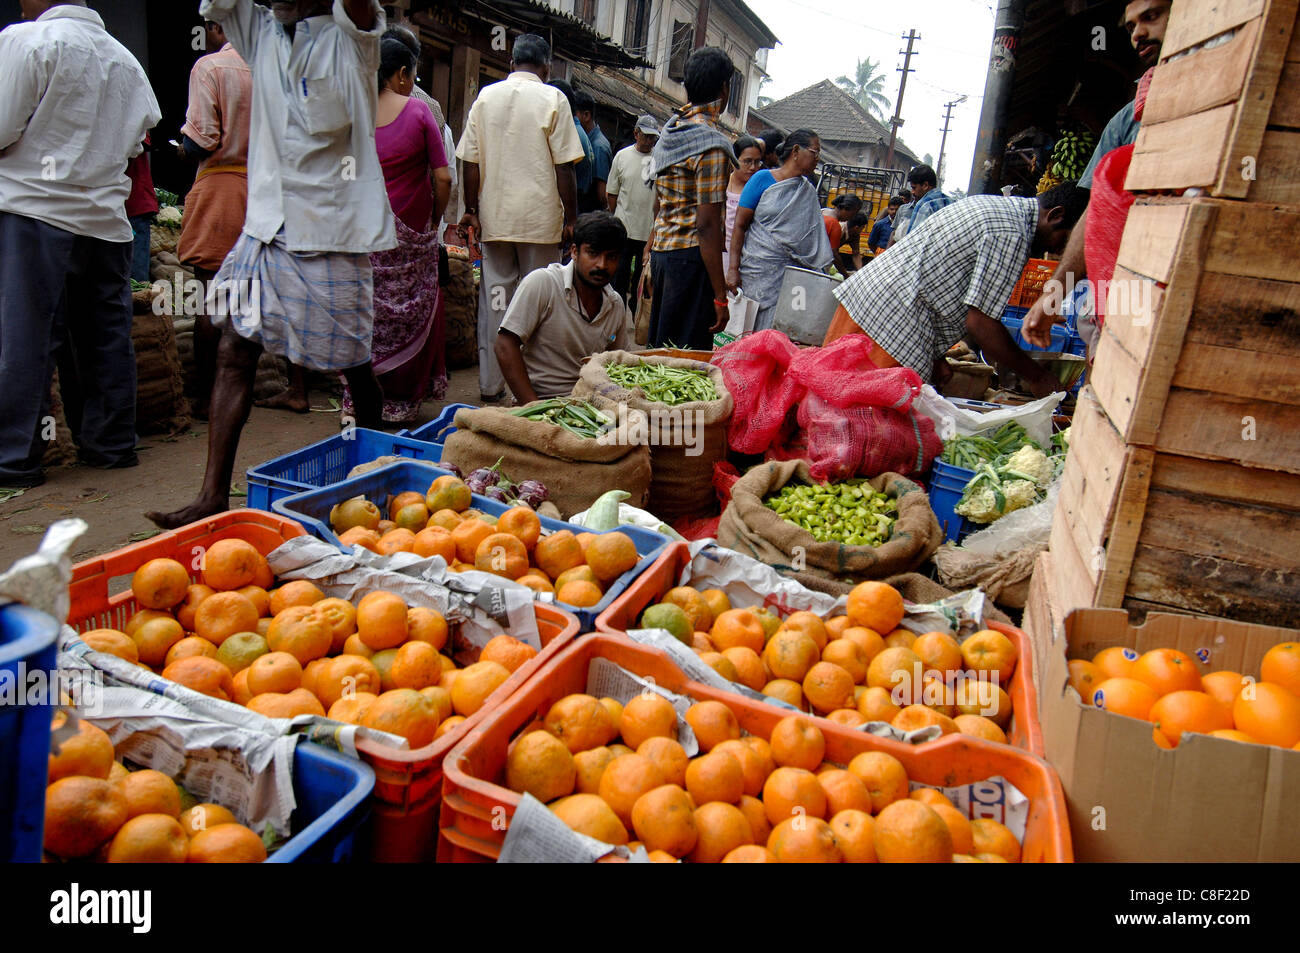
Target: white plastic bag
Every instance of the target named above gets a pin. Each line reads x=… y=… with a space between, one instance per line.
x=743 y=311
x=1018 y=529
x=951 y=420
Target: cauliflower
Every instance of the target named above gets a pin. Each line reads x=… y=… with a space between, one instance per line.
x=988 y=501
x=170 y=217
x=979 y=506
x=1030 y=462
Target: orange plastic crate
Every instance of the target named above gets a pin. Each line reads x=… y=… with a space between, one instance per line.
x=1029 y=287
x=476 y=805
x=408 y=783
x=664 y=573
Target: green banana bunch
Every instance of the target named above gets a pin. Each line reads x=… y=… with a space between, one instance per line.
x=1070 y=156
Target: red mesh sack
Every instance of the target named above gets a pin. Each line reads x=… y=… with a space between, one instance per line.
x=1107 y=212
x=706 y=527
x=755 y=370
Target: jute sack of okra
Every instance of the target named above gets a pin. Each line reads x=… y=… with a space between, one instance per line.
x=687 y=426
x=576 y=470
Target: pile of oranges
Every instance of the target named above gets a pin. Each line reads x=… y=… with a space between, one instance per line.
x=853 y=668
x=577 y=569
x=289 y=650
x=1164 y=686
x=617 y=773
x=98 y=810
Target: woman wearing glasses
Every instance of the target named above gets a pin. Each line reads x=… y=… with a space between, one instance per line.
x=749 y=159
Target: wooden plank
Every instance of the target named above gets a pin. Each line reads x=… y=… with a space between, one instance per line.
x=1151 y=236
x=1181 y=153
x=1246 y=313
x=1213 y=586
x=1253 y=240
x=1201 y=526
x=1241 y=373
x=1114 y=379
x=1278 y=170
x=1226 y=481
x=1217 y=427
x=1073 y=584
x=1286 y=102
x=1193 y=23
x=1126 y=527
x=1203 y=80
x=1132 y=306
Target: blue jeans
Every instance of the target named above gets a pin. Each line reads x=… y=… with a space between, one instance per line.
x=140 y=250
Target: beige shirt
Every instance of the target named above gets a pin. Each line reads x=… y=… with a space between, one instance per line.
x=518 y=130
x=546 y=316
x=636 y=199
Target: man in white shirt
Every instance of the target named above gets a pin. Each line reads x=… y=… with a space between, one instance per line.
x=632 y=200
x=75 y=107
x=298 y=281
x=519 y=146
x=563 y=313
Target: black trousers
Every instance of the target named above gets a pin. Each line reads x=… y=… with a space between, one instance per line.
x=629 y=269
x=682 y=313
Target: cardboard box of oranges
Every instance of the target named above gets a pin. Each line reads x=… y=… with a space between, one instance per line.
x=745 y=782
x=1176 y=739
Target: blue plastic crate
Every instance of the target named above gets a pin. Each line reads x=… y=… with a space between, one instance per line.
x=332 y=800
x=312 y=510
x=27 y=646
x=441 y=427
x=947 y=483
x=329 y=461
x=1065 y=340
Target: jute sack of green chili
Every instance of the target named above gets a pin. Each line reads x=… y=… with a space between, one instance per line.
x=749 y=527
x=576 y=471
x=686 y=436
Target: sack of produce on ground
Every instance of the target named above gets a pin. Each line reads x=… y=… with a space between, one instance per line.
x=577 y=463
x=898 y=533
x=755 y=371
x=1004 y=576
x=687 y=407
x=461 y=299
x=161 y=406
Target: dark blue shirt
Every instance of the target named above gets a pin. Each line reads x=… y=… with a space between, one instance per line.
x=880 y=233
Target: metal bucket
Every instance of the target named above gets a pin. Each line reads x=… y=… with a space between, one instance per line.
x=805 y=306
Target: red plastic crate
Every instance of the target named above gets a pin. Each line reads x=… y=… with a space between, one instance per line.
x=475 y=800
x=1025 y=730
x=408 y=783
x=1029 y=287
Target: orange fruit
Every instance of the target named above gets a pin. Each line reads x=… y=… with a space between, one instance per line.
x=963 y=840
x=721 y=828
x=274 y=672
x=810 y=624
x=645 y=716
x=89 y=753
x=939 y=651
x=360 y=536
x=738 y=628
x=750 y=854
x=615 y=709
x=753 y=766
x=792 y=791
x=441 y=699
x=404 y=712
x=523 y=524
x=1223 y=685
x=875 y=704
x=716 y=776
x=790 y=654
x=584 y=595
x=828 y=686
x=81 y=813
x=849 y=656
x=720 y=664
x=701 y=643
x=1166 y=671
x=915 y=717
x=258 y=596
x=693 y=604
x=992 y=837
x=311 y=673
x=446 y=519
x=664 y=819
x=222 y=614
x=938 y=694
x=239 y=693
x=1189 y=711
x=713 y=723
x=539 y=764
x=1232 y=734
x=354 y=646
x=112 y=642
x=788 y=691
x=154 y=637
x=535 y=581
x=160 y=584
x=667 y=754
x=977 y=726
x=899 y=671
x=1116 y=661
x=855 y=833
x=473 y=685
x=501 y=554
x=381 y=620
x=448 y=492
x=716 y=600
x=900 y=639
x=1281 y=666
x=403 y=500
x=908 y=831
x=204 y=815
x=449 y=725
x=849 y=717
x=992 y=652
x=352 y=708
x=875 y=605
x=508 y=652
x=626 y=778
x=1124 y=696
x=286 y=705
x=557 y=552
x=836 y=626
x=612 y=554
x=426 y=625
x=348 y=675
x=340 y=617
x=204 y=675
x=226 y=844
x=230 y=564
x=149 y=838
x=1085 y=676
x=589 y=765
x=300 y=631
x=797 y=743
x=467 y=535
x=581 y=722
x=416 y=665
x=1268 y=713
x=844 y=791
x=150 y=792
x=975 y=696
x=930 y=796
x=298 y=592
x=884 y=776
x=588 y=814
x=193 y=596
x=576 y=574
x=804 y=840
x=434 y=541
x=139 y=618
x=748 y=666
x=189 y=646
x=756 y=814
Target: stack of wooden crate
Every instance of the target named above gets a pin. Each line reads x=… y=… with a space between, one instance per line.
x=1182 y=487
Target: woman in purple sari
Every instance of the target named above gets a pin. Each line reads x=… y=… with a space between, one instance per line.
x=408 y=349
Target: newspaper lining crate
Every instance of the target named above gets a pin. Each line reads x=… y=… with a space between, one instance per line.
x=1223 y=110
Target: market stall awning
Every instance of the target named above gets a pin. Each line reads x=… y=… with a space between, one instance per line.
x=569 y=36
x=623 y=93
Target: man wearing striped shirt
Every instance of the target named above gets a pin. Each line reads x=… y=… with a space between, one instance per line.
x=953 y=275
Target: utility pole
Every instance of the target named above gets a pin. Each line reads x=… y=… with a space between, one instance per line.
x=902 y=87
x=991 y=142
x=701 y=23
x=943 y=143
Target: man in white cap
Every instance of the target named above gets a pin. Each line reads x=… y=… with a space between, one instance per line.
x=632 y=201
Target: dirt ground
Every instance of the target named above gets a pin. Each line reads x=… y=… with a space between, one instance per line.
x=113 y=502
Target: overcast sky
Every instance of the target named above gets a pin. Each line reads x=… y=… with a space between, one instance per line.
x=823 y=39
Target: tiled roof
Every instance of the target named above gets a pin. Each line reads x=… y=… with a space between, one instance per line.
x=834 y=114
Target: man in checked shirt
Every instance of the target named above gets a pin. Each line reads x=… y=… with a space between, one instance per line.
x=954 y=275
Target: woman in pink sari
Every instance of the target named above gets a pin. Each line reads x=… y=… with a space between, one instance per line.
x=408 y=349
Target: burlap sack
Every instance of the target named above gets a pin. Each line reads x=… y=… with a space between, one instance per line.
x=575 y=471
x=61 y=449
x=1004 y=576
x=641 y=324
x=749 y=527
x=685 y=440
x=461 y=299
x=160 y=404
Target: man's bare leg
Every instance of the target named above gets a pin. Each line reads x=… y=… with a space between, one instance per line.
x=295 y=398
x=232 y=397
x=367 y=396
x=207 y=339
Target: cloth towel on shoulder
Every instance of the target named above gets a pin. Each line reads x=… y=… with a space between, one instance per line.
x=680 y=141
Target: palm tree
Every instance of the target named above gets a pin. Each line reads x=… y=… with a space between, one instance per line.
x=867 y=88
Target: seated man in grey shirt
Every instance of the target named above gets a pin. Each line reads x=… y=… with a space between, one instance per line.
x=563 y=313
